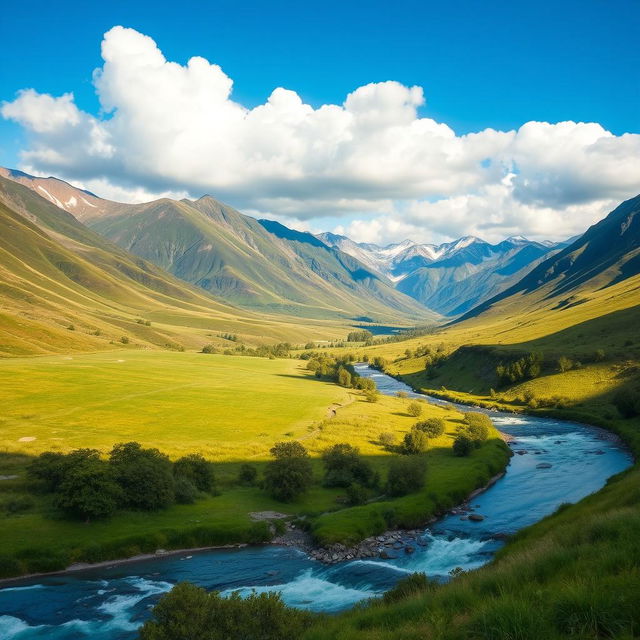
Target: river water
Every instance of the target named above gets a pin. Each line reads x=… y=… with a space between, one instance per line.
x=110 y=603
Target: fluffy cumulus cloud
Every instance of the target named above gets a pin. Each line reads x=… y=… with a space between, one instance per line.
x=165 y=128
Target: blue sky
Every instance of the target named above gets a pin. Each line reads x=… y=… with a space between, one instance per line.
x=481 y=64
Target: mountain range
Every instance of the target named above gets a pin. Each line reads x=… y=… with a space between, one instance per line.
x=453 y=277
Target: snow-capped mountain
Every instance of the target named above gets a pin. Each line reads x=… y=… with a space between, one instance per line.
x=451 y=277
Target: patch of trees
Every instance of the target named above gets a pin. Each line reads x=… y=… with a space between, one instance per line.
x=432 y=427
x=524 y=368
x=188 y=611
x=472 y=433
x=359 y=336
x=289 y=475
x=344 y=467
x=341 y=371
x=627 y=401
x=406 y=475
x=87 y=487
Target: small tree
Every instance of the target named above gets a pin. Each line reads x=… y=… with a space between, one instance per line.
x=477 y=426
x=463 y=445
x=290 y=474
x=197 y=470
x=387 y=439
x=185 y=491
x=247 y=475
x=564 y=364
x=414 y=409
x=145 y=476
x=371 y=396
x=344 y=466
x=432 y=427
x=406 y=475
x=88 y=490
x=344 y=378
x=415 y=442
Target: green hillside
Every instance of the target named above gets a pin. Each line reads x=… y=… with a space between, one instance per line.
x=260 y=266
x=65 y=288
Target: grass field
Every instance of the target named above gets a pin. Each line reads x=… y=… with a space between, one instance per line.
x=231 y=409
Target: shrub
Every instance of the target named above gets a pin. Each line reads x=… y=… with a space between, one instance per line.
x=409 y=586
x=359 y=336
x=402 y=394
x=432 y=427
x=16 y=503
x=416 y=441
x=387 y=439
x=627 y=402
x=477 y=426
x=247 y=475
x=88 y=490
x=371 y=396
x=462 y=445
x=185 y=491
x=414 y=409
x=344 y=378
x=188 y=611
x=197 y=470
x=344 y=466
x=406 y=475
x=209 y=348
x=356 y=494
x=145 y=476
x=124 y=340
x=290 y=474
x=564 y=364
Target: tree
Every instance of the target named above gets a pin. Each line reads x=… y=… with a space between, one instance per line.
x=387 y=439
x=414 y=409
x=371 y=396
x=406 y=475
x=416 y=441
x=477 y=426
x=344 y=378
x=462 y=445
x=188 y=612
x=197 y=470
x=88 y=490
x=145 y=476
x=431 y=427
x=290 y=474
x=247 y=475
x=627 y=401
x=185 y=491
x=344 y=466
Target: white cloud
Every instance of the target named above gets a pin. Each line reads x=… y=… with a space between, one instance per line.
x=169 y=128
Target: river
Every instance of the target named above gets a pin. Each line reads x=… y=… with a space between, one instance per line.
x=110 y=603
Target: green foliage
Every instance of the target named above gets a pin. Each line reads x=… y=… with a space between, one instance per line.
x=16 y=503
x=371 y=396
x=124 y=340
x=432 y=427
x=415 y=441
x=188 y=612
x=344 y=378
x=344 y=466
x=477 y=426
x=565 y=364
x=627 y=401
x=463 y=445
x=525 y=368
x=247 y=475
x=145 y=476
x=88 y=489
x=411 y=585
x=357 y=494
x=197 y=470
x=414 y=409
x=406 y=475
x=387 y=439
x=210 y=348
x=290 y=475
x=359 y=336
x=185 y=491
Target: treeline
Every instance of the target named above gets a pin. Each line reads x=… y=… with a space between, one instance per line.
x=279 y=350
x=339 y=370
x=85 y=486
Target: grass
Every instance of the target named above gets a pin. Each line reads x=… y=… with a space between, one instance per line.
x=231 y=409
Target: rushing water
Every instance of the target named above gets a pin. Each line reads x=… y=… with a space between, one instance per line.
x=111 y=603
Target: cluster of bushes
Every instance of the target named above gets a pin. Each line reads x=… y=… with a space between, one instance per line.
x=525 y=368
x=86 y=486
x=188 y=611
x=627 y=401
x=279 y=350
x=472 y=434
x=146 y=323
x=359 y=336
x=341 y=371
x=417 y=440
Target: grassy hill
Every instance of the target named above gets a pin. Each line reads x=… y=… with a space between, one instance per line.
x=258 y=265
x=575 y=574
x=64 y=288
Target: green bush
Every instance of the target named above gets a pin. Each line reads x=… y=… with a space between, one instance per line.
x=432 y=427
x=414 y=409
x=627 y=401
x=247 y=475
x=407 y=587
x=463 y=445
x=189 y=612
x=416 y=441
x=185 y=490
x=406 y=475
x=197 y=470
x=290 y=474
x=387 y=439
x=356 y=494
x=344 y=466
